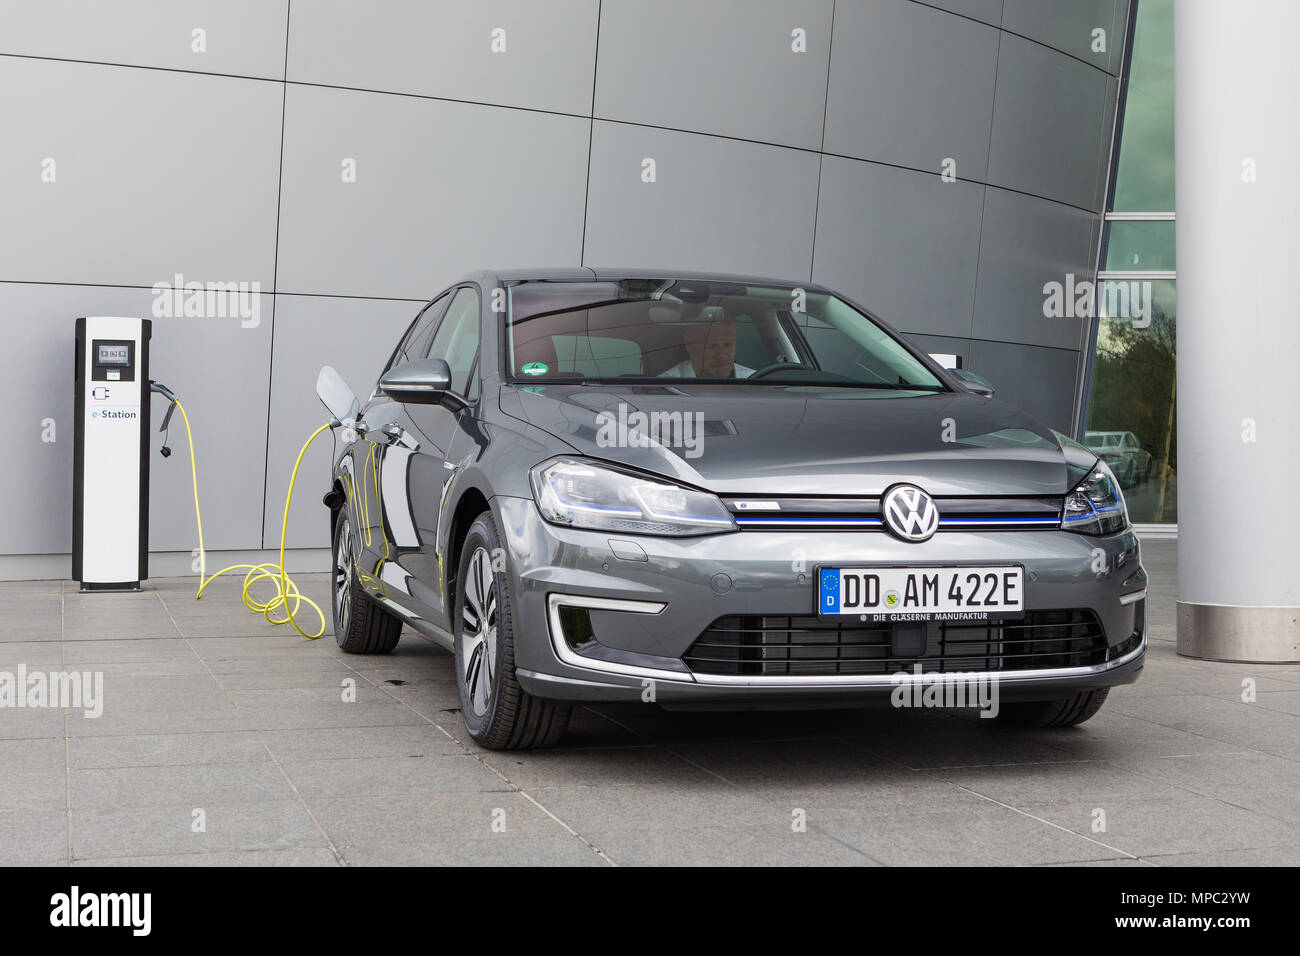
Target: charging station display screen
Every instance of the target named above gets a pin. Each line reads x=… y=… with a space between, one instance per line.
x=113 y=355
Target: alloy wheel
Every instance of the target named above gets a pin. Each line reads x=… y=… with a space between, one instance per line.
x=478 y=636
x=343 y=578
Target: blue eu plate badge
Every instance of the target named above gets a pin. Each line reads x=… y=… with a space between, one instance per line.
x=830 y=591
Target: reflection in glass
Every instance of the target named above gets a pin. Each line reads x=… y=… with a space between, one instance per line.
x=1131 y=422
x=1140 y=246
x=1144 y=177
x=1131 y=418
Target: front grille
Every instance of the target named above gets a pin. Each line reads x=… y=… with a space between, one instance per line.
x=863 y=514
x=822 y=522
x=785 y=645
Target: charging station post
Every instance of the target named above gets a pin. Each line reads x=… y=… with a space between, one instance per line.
x=110 y=491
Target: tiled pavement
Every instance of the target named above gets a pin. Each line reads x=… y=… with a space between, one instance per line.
x=226 y=741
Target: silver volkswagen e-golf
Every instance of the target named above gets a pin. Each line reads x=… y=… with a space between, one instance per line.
x=698 y=490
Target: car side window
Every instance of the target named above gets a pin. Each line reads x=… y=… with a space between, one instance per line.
x=416 y=341
x=456 y=340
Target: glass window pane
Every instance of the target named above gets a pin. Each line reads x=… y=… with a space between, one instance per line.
x=416 y=342
x=1142 y=246
x=457 y=338
x=714 y=330
x=597 y=356
x=1144 y=176
x=1132 y=403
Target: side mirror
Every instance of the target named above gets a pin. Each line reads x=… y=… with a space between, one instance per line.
x=974 y=383
x=422 y=382
x=336 y=396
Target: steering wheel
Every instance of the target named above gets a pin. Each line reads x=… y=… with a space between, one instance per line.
x=775 y=367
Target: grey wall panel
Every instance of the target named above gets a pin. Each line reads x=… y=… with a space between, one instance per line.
x=441 y=189
x=156 y=173
x=1048 y=133
x=722 y=67
x=902 y=243
x=943 y=344
x=923 y=75
x=716 y=204
x=1105 y=133
x=356 y=337
x=1068 y=25
x=990 y=11
x=1026 y=243
x=36 y=326
x=176 y=167
x=444 y=49
x=1030 y=378
x=218 y=368
x=241 y=37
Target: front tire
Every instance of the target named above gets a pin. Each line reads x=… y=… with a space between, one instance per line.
x=498 y=713
x=361 y=625
x=1063 y=712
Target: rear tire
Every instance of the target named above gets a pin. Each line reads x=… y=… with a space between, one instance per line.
x=1064 y=712
x=498 y=713
x=361 y=625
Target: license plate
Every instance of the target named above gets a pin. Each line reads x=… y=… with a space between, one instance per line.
x=922 y=594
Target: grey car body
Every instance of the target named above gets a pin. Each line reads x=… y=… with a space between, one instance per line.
x=725 y=619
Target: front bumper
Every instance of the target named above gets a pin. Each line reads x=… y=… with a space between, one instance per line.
x=648 y=599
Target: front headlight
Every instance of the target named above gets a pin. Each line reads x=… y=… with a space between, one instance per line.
x=581 y=494
x=1096 y=505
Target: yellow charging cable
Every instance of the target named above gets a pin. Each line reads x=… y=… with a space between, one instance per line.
x=286 y=594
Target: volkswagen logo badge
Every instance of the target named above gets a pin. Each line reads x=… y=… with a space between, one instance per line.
x=910 y=513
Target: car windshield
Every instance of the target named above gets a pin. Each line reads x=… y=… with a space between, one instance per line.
x=1102 y=440
x=670 y=330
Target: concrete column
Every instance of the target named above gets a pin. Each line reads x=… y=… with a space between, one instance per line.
x=1237 y=142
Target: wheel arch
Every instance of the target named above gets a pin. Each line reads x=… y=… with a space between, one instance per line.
x=472 y=502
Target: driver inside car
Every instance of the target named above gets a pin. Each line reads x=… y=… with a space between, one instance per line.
x=710 y=350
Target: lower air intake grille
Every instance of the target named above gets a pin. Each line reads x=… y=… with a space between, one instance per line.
x=786 y=645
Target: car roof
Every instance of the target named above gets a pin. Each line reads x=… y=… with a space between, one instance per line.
x=608 y=274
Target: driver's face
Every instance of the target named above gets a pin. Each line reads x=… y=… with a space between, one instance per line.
x=712 y=348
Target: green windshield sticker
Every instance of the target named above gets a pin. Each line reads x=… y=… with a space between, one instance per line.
x=535 y=368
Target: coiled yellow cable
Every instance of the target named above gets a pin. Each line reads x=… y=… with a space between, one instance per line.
x=286 y=592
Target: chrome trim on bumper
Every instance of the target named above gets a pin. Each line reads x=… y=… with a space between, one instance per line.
x=568 y=656
x=908 y=678
x=571 y=657
x=1132 y=597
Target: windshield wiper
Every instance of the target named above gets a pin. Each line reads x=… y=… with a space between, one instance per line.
x=812 y=383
